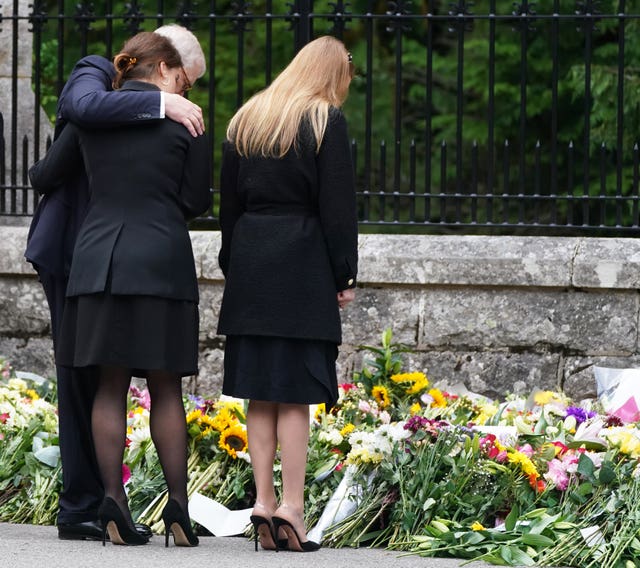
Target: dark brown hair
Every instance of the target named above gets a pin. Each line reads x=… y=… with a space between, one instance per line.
x=141 y=55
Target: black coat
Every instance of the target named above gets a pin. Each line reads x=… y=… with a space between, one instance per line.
x=87 y=100
x=289 y=238
x=144 y=182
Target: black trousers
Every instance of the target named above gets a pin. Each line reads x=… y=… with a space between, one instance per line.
x=82 y=490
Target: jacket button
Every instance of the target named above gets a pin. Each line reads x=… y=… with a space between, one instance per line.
x=350 y=282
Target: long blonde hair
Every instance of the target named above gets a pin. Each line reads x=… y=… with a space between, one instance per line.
x=317 y=78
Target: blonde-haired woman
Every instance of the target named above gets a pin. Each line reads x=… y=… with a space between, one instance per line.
x=289 y=255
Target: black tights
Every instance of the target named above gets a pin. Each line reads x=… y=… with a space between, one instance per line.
x=168 y=430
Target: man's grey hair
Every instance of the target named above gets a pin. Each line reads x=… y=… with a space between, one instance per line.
x=187 y=45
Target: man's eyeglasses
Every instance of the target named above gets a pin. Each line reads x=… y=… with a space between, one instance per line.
x=186 y=84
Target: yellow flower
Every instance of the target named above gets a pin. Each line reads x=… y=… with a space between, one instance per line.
x=381 y=395
x=193 y=416
x=476 y=526
x=347 y=429
x=207 y=420
x=524 y=462
x=231 y=406
x=223 y=420
x=626 y=439
x=321 y=410
x=418 y=381
x=415 y=408
x=545 y=397
x=33 y=395
x=486 y=412
x=233 y=440
x=439 y=400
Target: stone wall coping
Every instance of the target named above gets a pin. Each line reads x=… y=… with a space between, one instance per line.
x=559 y=262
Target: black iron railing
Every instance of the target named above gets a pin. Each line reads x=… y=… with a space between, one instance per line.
x=504 y=117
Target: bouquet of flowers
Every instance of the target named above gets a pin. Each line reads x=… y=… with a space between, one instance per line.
x=398 y=462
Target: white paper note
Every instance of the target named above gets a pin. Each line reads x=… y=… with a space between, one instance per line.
x=216 y=518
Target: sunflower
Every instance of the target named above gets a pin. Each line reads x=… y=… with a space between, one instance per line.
x=194 y=415
x=381 y=395
x=439 y=400
x=233 y=440
x=418 y=381
x=223 y=419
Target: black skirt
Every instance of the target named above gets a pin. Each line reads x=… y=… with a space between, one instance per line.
x=142 y=333
x=278 y=369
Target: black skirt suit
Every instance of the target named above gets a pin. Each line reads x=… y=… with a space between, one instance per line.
x=289 y=244
x=132 y=294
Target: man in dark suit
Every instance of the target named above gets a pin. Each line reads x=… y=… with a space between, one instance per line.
x=88 y=99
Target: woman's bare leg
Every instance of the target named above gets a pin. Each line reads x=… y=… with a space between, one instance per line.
x=262 y=436
x=293 y=435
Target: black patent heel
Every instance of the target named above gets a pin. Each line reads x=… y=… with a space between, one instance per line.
x=177 y=522
x=293 y=540
x=263 y=531
x=114 y=522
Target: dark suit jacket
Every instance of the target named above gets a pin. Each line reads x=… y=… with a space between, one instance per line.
x=85 y=100
x=289 y=238
x=145 y=180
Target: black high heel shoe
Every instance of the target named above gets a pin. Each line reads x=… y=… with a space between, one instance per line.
x=114 y=522
x=263 y=531
x=293 y=540
x=177 y=522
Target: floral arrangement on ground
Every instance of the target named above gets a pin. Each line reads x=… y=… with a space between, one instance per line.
x=397 y=463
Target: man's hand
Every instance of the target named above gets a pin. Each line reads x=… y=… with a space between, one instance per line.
x=182 y=110
x=346 y=296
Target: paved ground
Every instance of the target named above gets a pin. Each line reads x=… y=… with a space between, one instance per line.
x=27 y=546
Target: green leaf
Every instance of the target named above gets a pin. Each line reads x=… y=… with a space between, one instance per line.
x=512 y=517
x=537 y=540
x=516 y=557
x=607 y=473
x=585 y=466
x=386 y=337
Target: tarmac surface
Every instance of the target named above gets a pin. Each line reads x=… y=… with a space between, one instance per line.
x=33 y=546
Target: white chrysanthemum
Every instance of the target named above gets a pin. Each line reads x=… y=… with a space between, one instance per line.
x=331 y=436
x=139 y=437
x=244 y=456
x=396 y=431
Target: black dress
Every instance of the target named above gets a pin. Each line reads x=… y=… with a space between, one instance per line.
x=289 y=245
x=142 y=333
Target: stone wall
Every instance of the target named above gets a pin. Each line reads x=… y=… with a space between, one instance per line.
x=499 y=314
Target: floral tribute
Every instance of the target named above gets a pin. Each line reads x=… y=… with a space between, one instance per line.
x=397 y=463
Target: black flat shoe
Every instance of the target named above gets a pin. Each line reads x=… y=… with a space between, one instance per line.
x=87 y=530
x=114 y=522
x=144 y=530
x=177 y=522
x=293 y=540
x=92 y=530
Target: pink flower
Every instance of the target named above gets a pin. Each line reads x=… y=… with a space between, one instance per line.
x=527 y=450
x=4 y=417
x=557 y=474
x=140 y=397
x=126 y=474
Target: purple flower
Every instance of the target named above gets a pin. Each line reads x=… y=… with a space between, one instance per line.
x=580 y=414
x=198 y=401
